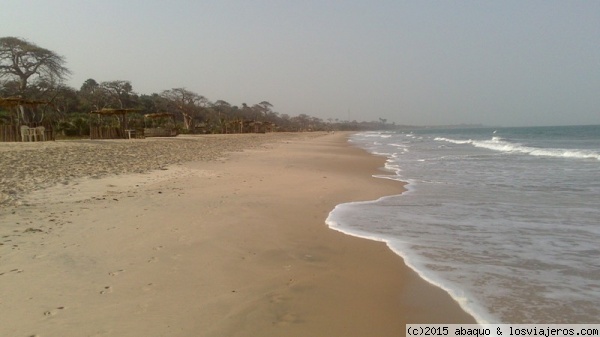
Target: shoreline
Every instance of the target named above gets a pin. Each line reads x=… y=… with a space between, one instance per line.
x=470 y=311
x=236 y=245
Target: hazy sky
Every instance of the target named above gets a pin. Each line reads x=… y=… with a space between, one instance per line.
x=505 y=62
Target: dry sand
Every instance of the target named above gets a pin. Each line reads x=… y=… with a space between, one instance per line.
x=31 y=166
x=221 y=244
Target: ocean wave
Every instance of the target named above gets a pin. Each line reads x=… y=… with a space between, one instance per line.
x=375 y=135
x=502 y=145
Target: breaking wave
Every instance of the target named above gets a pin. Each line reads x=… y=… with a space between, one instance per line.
x=502 y=145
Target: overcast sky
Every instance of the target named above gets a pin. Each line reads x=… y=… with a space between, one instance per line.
x=501 y=63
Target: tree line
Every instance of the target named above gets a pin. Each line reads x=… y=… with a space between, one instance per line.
x=37 y=74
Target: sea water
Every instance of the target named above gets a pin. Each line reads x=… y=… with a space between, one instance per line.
x=506 y=220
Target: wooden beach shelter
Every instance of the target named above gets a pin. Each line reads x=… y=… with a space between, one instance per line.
x=252 y=126
x=16 y=131
x=159 y=124
x=100 y=129
x=248 y=126
x=12 y=102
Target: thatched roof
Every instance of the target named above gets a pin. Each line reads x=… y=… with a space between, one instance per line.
x=158 y=115
x=11 y=102
x=106 y=111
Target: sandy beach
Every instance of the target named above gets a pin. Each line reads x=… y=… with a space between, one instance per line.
x=219 y=235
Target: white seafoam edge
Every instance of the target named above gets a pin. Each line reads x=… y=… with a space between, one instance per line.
x=469 y=306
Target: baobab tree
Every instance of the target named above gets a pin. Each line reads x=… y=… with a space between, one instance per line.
x=185 y=102
x=222 y=109
x=27 y=62
x=263 y=109
x=93 y=96
x=119 y=91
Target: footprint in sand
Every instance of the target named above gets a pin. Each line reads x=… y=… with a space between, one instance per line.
x=147 y=287
x=286 y=319
x=115 y=273
x=107 y=290
x=277 y=298
x=52 y=312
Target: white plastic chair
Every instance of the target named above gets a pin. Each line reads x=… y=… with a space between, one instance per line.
x=40 y=131
x=25 y=133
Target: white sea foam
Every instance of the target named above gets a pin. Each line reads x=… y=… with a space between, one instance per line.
x=499 y=144
x=412 y=261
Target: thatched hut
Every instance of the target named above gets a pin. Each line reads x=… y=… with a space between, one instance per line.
x=101 y=129
x=18 y=130
x=248 y=126
x=159 y=124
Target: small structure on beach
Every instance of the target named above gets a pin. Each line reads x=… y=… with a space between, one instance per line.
x=248 y=126
x=264 y=127
x=17 y=130
x=113 y=124
x=159 y=124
